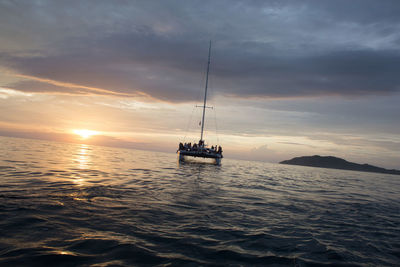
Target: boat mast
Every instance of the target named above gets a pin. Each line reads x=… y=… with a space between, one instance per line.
x=205 y=94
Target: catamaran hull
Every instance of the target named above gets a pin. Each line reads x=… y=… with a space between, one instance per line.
x=198 y=154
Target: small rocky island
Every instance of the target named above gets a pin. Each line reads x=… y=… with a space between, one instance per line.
x=336 y=163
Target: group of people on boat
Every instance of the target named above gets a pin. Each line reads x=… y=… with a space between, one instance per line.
x=200 y=147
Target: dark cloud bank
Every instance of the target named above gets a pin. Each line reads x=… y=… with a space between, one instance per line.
x=260 y=48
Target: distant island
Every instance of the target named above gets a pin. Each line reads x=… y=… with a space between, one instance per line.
x=336 y=163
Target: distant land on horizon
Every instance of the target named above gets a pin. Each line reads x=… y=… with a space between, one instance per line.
x=331 y=162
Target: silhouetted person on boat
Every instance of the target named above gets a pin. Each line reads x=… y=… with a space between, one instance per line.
x=219 y=150
x=181 y=146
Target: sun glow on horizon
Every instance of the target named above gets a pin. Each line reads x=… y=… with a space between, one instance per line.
x=85 y=134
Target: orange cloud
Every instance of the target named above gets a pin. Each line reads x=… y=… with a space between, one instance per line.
x=78 y=86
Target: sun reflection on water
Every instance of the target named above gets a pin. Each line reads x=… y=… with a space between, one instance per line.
x=82 y=161
x=83 y=157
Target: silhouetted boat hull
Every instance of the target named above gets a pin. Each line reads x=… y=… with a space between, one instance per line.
x=199 y=154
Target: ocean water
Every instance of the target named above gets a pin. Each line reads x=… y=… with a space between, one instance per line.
x=72 y=204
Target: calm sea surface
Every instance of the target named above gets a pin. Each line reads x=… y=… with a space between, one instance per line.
x=70 y=204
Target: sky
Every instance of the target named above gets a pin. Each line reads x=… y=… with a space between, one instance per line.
x=287 y=78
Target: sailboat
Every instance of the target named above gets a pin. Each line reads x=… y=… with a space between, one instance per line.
x=201 y=149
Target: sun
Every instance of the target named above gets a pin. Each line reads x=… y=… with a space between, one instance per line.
x=85 y=134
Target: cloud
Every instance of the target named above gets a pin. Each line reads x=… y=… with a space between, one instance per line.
x=5 y=93
x=296 y=144
x=159 y=49
x=35 y=84
x=359 y=141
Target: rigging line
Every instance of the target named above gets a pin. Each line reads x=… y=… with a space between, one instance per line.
x=216 y=127
x=198 y=98
x=205 y=94
x=202 y=81
x=188 y=124
x=212 y=94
